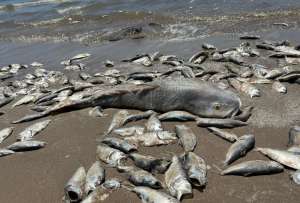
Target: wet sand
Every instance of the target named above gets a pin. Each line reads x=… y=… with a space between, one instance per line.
x=40 y=176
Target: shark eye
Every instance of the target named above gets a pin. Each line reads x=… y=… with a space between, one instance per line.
x=217 y=106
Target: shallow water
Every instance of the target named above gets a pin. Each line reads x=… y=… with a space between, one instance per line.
x=88 y=20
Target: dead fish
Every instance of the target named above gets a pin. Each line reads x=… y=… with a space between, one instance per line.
x=80 y=57
x=148 y=195
x=223 y=134
x=245 y=115
x=111 y=156
x=5 y=133
x=286 y=158
x=279 y=87
x=84 y=76
x=27 y=99
x=36 y=64
x=26 y=145
x=250 y=37
x=94 y=177
x=119 y=144
x=112 y=184
x=98 y=195
x=96 y=112
x=146 y=61
x=140 y=177
x=186 y=137
x=288 y=77
x=255 y=167
x=196 y=168
x=296 y=177
x=129 y=131
x=138 y=116
x=198 y=57
x=118 y=120
x=6 y=152
x=109 y=63
x=154 y=138
x=74 y=189
x=176 y=179
x=32 y=130
x=153 y=124
x=150 y=163
x=219 y=123
x=238 y=149
x=274 y=73
x=177 y=116
x=294 y=135
x=208 y=46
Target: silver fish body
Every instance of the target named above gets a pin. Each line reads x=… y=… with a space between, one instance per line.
x=154 y=138
x=223 y=134
x=118 y=120
x=176 y=179
x=177 y=116
x=32 y=130
x=238 y=149
x=186 y=137
x=219 y=123
x=5 y=133
x=251 y=168
x=129 y=131
x=296 y=177
x=94 y=177
x=279 y=87
x=150 y=163
x=119 y=144
x=26 y=145
x=74 y=189
x=153 y=124
x=111 y=156
x=6 y=152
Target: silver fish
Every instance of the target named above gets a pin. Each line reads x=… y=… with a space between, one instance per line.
x=5 y=133
x=153 y=138
x=74 y=189
x=129 y=131
x=32 y=130
x=94 y=177
x=186 y=137
x=138 y=116
x=112 y=157
x=27 y=99
x=255 y=167
x=98 y=195
x=26 y=145
x=223 y=134
x=140 y=177
x=176 y=179
x=286 y=158
x=153 y=124
x=118 y=120
x=177 y=116
x=150 y=163
x=294 y=135
x=239 y=148
x=196 y=168
x=250 y=90
x=149 y=195
x=220 y=123
x=119 y=144
x=112 y=184
x=6 y=152
x=279 y=87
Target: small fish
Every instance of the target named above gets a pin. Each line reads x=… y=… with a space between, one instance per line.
x=150 y=163
x=84 y=76
x=196 y=168
x=138 y=116
x=112 y=184
x=279 y=87
x=286 y=158
x=153 y=124
x=294 y=135
x=6 y=152
x=111 y=156
x=176 y=179
x=80 y=56
x=27 y=99
x=140 y=177
x=94 y=177
x=74 y=189
x=223 y=134
x=5 y=133
x=145 y=60
x=219 y=123
x=177 y=116
x=238 y=149
x=186 y=137
x=129 y=131
x=118 y=120
x=251 y=168
x=109 y=63
x=154 y=138
x=119 y=144
x=32 y=130
x=250 y=90
x=98 y=195
x=296 y=177
x=26 y=145
x=272 y=74
x=148 y=195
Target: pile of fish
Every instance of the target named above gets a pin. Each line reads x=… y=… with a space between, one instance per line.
x=204 y=89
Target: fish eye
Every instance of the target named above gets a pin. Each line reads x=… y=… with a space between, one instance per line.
x=217 y=106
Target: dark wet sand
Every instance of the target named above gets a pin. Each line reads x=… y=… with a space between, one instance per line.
x=40 y=176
